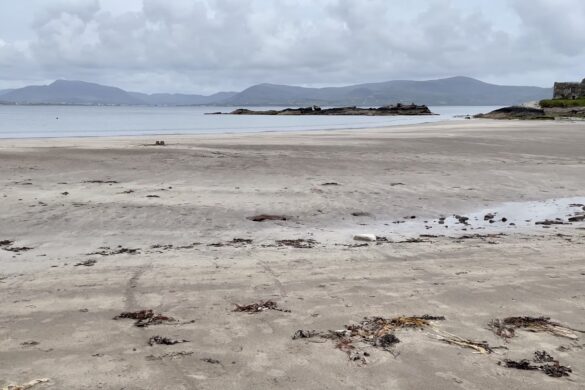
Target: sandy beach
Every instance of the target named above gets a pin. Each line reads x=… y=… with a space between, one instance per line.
x=94 y=227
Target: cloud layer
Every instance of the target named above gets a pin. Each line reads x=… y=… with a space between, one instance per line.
x=207 y=45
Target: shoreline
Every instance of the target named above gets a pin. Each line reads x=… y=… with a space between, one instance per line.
x=425 y=126
x=309 y=131
x=75 y=122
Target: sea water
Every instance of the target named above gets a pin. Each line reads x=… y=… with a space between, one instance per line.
x=107 y=121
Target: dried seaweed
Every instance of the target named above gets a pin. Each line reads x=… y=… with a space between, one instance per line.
x=523 y=364
x=164 y=341
x=86 y=263
x=478 y=346
x=268 y=217
x=8 y=245
x=298 y=243
x=506 y=328
x=377 y=332
x=106 y=251
x=211 y=361
x=171 y=355
x=543 y=357
x=552 y=367
x=233 y=242
x=305 y=334
x=259 y=307
x=145 y=318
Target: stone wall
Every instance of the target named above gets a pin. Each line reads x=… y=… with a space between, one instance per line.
x=569 y=90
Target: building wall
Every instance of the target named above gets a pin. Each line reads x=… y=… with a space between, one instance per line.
x=569 y=90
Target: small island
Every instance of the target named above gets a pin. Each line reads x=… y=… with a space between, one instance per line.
x=391 y=110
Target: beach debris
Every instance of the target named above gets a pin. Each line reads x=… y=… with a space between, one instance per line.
x=462 y=219
x=152 y=196
x=365 y=237
x=241 y=241
x=171 y=355
x=159 y=143
x=479 y=346
x=304 y=334
x=543 y=357
x=377 y=332
x=354 y=245
x=107 y=251
x=397 y=184
x=412 y=240
x=211 y=361
x=24 y=183
x=523 y=364
x=145 y=318
x=298 y=243
x=65 y=193
x=28 y=385
x=171 y=246
x=480 y=236
x=506 y=328
x=361 y=214
x=259 y=307
x=268 y=217
x=489 y=217
x=31 y=343
x=86 y=263
x=8 y=245
x=233 y=242
x=164 y=341
x=545 y=363
x=549 y=222
x=332 y=183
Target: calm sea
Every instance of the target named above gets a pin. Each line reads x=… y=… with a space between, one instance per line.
x=75 y=121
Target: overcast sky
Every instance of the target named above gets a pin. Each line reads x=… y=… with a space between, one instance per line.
x=203 y=46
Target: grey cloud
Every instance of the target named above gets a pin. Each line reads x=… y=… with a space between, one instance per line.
x=202 y=46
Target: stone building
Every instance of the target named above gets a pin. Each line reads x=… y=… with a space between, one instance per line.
x=570 y=90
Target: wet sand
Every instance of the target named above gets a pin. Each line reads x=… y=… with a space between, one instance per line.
x=155 y=226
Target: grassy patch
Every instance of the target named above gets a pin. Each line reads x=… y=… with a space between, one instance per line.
x=562 y=103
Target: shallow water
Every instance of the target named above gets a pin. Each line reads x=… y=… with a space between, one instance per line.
x=79 y=121
x=510 y=217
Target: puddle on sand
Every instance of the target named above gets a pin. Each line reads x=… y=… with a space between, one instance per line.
x=507 y=217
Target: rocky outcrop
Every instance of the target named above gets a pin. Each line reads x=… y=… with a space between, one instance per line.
x=517 y=112
x=398 y=109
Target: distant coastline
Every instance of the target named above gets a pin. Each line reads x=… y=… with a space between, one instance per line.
x=454 y=91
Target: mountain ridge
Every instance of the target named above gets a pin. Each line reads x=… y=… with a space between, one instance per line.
x=458 y=90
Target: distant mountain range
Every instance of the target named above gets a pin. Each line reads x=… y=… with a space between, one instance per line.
x=454 y=91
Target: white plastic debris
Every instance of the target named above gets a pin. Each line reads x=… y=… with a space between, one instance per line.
x=365 y=237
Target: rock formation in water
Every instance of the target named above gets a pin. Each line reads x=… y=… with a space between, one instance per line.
x=398 y=109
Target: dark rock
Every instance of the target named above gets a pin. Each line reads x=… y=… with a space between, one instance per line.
x=516 y=112
x=268 y=217
x=392 y=110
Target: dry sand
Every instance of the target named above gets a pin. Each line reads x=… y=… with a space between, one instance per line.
x=56 y=318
